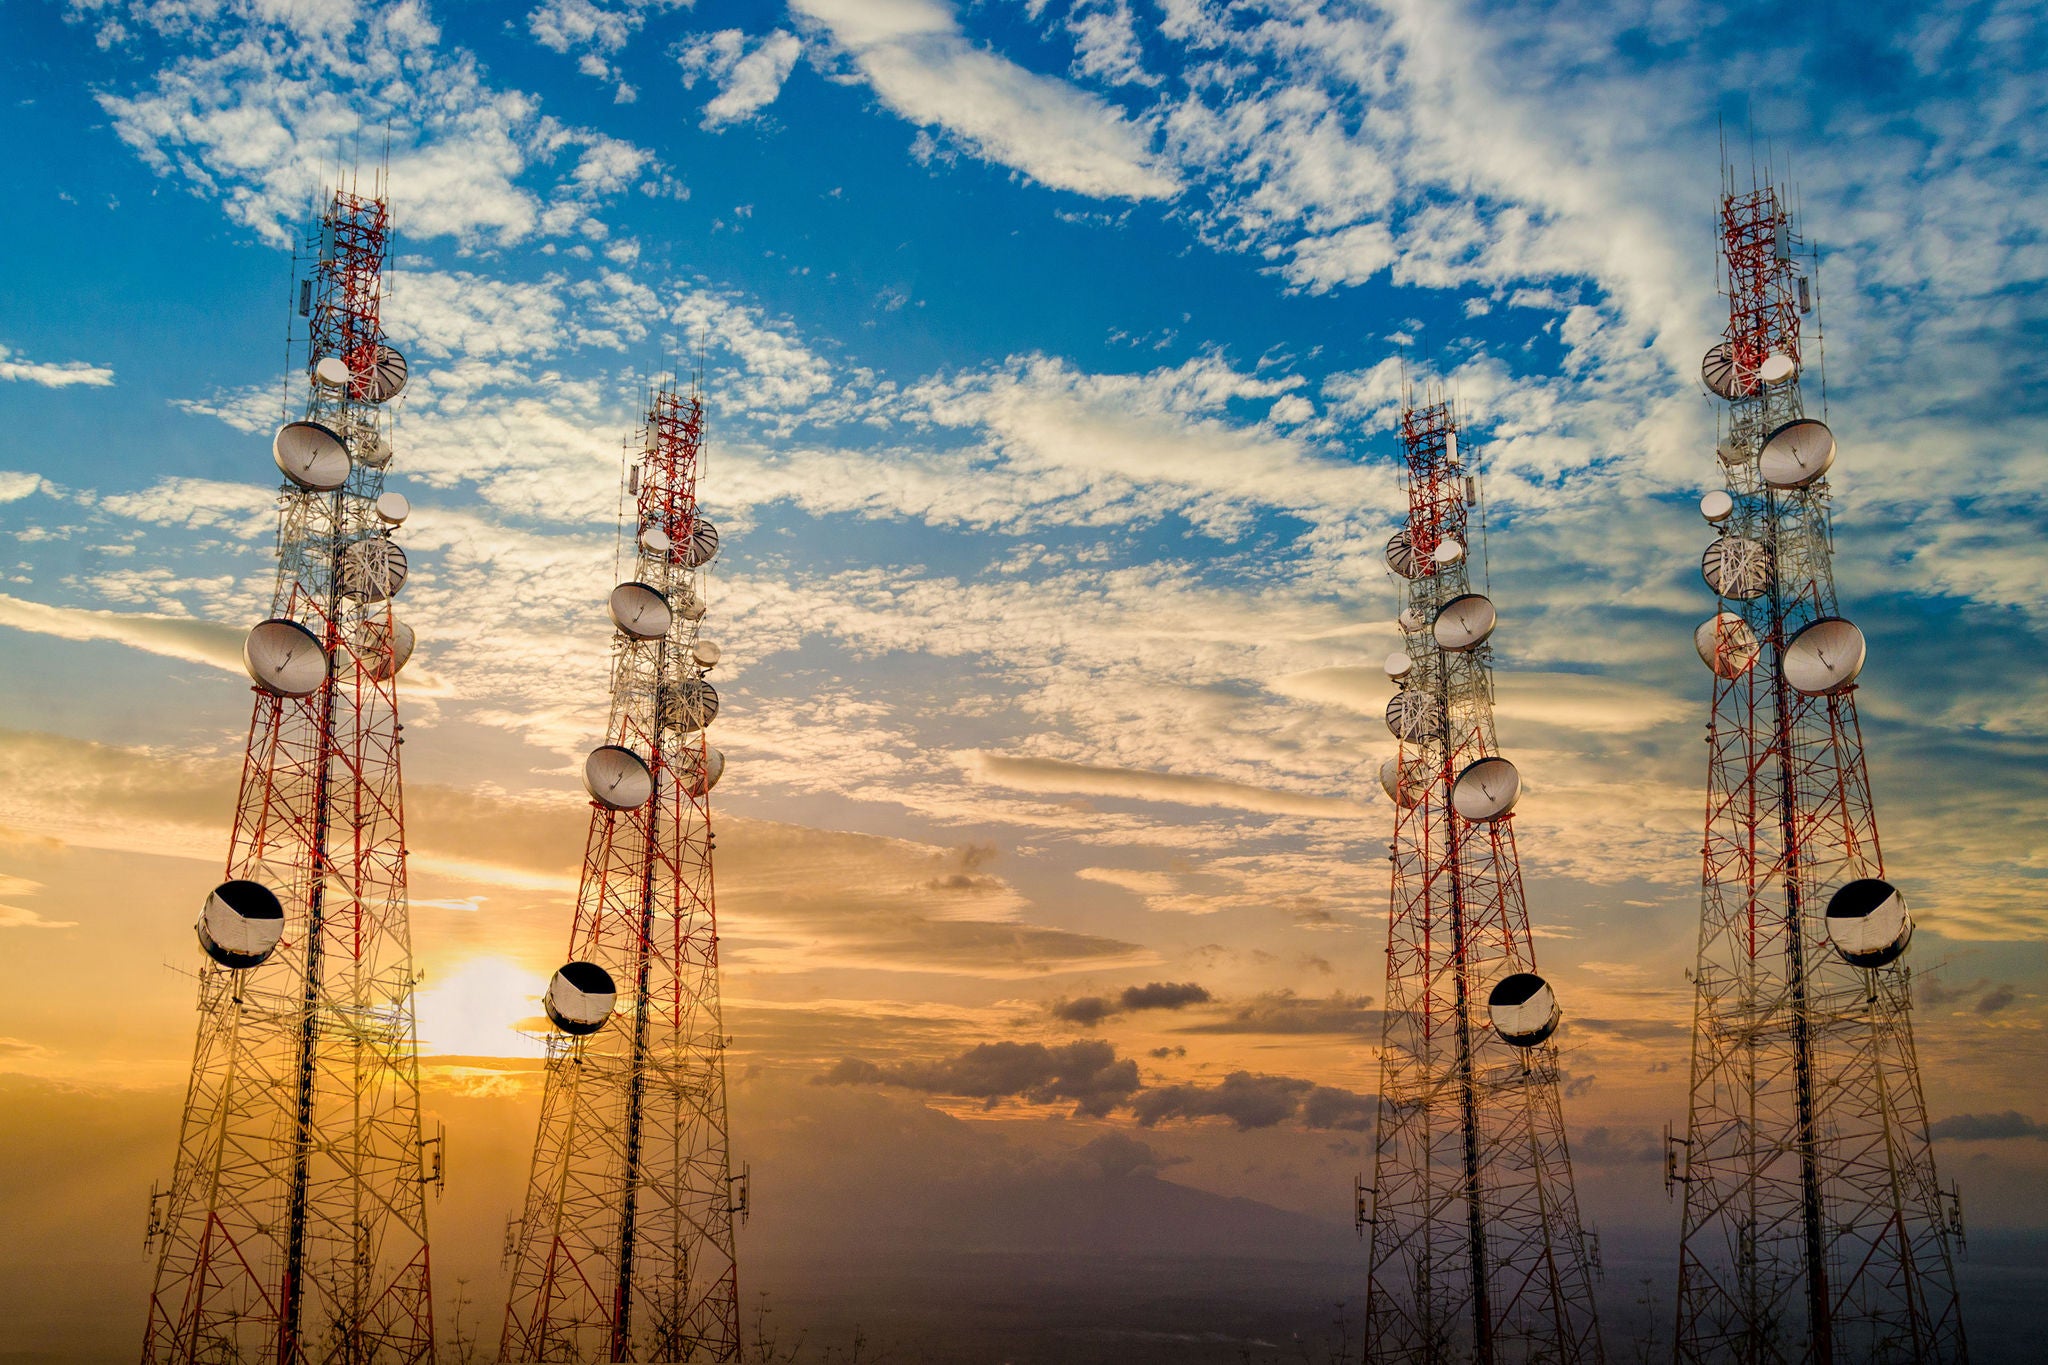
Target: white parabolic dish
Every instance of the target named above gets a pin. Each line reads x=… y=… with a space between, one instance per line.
x=1413 y=716
x=384 y=651
x=1398 y=664
x=1824 y=657
x=1411 y=619
x=1717 y=506
x=1401 y=555
x=701 y=777
x=385 y=378
x=1726 y=644
x=1523 y=1008
x=1736 y=567
x=1718 y=370
x=581 y=996
x=1797 y=453
x=372 y=570
x=1466 y=622
x=1868 y=922
x=617 y=777
x=241 y=924
x=640 y=610
x=703 y=546
x=285 y=658
x=690 y=706
x=1486 y=790
x=1403 y=785
x=310 y=456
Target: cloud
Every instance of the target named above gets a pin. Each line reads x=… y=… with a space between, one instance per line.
x=186 y=638
x=748 y=74
x=1090 y=1010
x=1252 y=1101
x=1118 y=1156
x=1056 y=775
x=1988 y=1127
x=1284 y=1012
x=915 y=58
x=1088 y=1073
x=54 y=374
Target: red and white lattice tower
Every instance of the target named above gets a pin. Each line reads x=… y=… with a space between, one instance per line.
x=1814 y=1229
x=295 y=1226
x=624 y=1249
x=1477 y=1252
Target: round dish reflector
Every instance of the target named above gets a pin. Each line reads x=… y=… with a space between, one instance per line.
x=617 y=777
x=393 y=509
x=1824 y=657
x=1797 y=453
x=372 y=448
x=383 y=378
x=330 y=371
x=693 y=606
x=310 y=456
x=240 y=924
x=1448 y=551
x=1401 y=555
x=1737 y=568
x=703 y=546
x=1399 y=664
x=1403 y=784
x=285 y=658
x=1523 y=1008
x=1726 y=644
x=640 y=610
x=689 y=706
x=385 y=650
x=701 y=774
x=581 y=996
x=1465 y=623
x=1718 y=370
x=1868 y=922
x=654 y=541
x=1411 y=619
x=1777 y=368
x=1414 y=716
x=372 y=570
x=1486 y=790
x=1717 y=506
x=706 y=653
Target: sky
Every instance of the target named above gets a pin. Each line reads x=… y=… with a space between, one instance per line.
x=1052 y=352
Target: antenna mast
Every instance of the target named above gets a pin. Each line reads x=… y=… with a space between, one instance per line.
x=1814 y=1228
x=624 y=1249
x=1477 y=1252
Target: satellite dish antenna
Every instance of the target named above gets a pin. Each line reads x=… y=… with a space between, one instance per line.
x=372 y=570
x=693 y=606
x=1401 y=555
x=1486 y=790
x=690 y=705
x=1824 y=657
x=1414 y=716
x=1403 y=783
x=1726 y=644
x=655 y=541
x=1719 y=372
x=1411 y=620
x=393 y=508
x=330 y=372
x=372 y=448
x=311 y=456
x=1777 y=368
x=617 y=777
x=581 y=996
x=1797 y=453
x=703 y=547
x=1523 y=1009
x=383 y=379
x=240 y=924
x=640 y=610
x=1466 y=622
x=1717 y=506
x=1734 y=453
x=284 y=658
x=1399 y=665
x=1736 y=568
x=700 y=775
x=706 y=653
x=1448 y=551
x=1868 y=922
x=385 y=650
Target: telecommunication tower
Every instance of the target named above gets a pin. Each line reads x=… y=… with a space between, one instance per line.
x=1814 y=1228
x=1477 y=1252
x=295 y=1226
x=624 y=1249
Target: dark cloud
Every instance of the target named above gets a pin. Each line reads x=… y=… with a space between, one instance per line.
x=1575 y=1086
x=1286 y=1012
x=1088 y=1073
x=1090 y=1010
x=1250 y=1101
x=1162 y=1053
x=1117 y=1156
x=1616 y=1147
x=1984 y=1127
x=1996 y=1000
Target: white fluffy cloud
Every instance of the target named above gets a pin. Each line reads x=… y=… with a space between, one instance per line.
x=748 y=73
x=61 y=374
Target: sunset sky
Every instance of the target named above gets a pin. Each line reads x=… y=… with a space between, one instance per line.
x=1051 y=352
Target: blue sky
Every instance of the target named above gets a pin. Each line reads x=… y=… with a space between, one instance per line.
x=1051 y=353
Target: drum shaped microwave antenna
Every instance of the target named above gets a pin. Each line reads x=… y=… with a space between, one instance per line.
x=393 y=508
x=1717 y=506
x=1824 y=657
x=284 y=658
x=1411 y=619
x=706 y=653
x=1736 y=568
x=640 y=610
x=311 y=456
x=1777 y=368
x=1486 y=790
x=1726 y=644
x=581 y=996
x=1523 y=1008
x=1414 y=716
x=617 y=777
x=1868 y=922
x=1448 y=551
x=1797 y=453
x=1399 y=665
x=1466 y=622
x=241 y=924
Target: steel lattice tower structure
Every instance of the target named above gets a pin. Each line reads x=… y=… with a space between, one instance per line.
x=295 y=1228
x=1814 y=1228
x=624 y=1250
x=1477 y=1252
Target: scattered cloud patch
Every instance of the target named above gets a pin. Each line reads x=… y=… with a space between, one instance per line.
x=748 y=73
x=62 y=374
